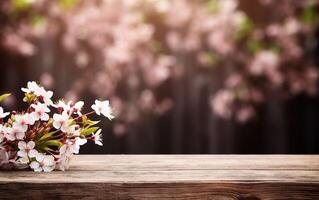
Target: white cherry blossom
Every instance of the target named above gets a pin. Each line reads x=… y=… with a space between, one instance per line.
x=68 y=148
x=61 y=121
x=78 y=107
x=103 y=107
x=27 y=149
x=40 y=112
x=15 y=133
x=2 y=132
x=46 y=96
x=73 y=130
x=72 y=147
x=23 y=120
x=43 y=163
x=97 y=137
x=39 y=91
x=3 y=114
x=32 y=87
x=80 y=141
x=63 y=163
x=62 y=106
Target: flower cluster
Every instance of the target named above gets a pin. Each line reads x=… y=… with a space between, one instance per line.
x=35 y=139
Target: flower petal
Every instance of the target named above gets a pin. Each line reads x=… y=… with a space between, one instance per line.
x=31 y=145
x=22 y=145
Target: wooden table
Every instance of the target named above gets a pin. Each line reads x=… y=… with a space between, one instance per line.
x=171 y=177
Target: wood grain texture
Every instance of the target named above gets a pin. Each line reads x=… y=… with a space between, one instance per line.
x=171 y=177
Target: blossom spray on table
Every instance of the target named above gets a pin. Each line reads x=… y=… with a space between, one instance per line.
x=46 y=135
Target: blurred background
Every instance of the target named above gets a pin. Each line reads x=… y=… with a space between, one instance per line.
x=182 y=76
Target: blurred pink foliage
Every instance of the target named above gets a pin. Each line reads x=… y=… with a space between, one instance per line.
x=140 y=45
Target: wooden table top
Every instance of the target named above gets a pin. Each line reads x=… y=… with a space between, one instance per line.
x=170 y=177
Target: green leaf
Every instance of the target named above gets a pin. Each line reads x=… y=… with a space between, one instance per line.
x=4 y=96
x=87 y=122
x=89 y=131
x=47 y=143
x=29 y=97
x=47 y=135
x=47 y=149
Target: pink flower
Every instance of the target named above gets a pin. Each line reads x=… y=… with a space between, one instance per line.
x=245 y=113
x=63 y=162
x=62 y=106
x=43 y=163
x=15 y=133
x=24 y=120
x=27 y=149
x=40 y=112
x=264 y=62
x=61 y=121
x=72 y=147
x=2 y=132
x=68 y=148
x=77 y=107
x=222 y=103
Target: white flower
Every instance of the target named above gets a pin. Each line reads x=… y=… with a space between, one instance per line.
x=24 y=120
x=97 y=137
x=68 y=148
x=32 y=87
x=63 y=162
x=69 y=107
x=39 y=91
x=78 y=107
x=61 y=121
x=15 y=133
x=2 y=132
x=40 y=112
x=45 y=95
x=61 y=105
x=43 y=163
x=73 y=130
x=103 y=107
x=80 y=141
x=27 y=149
x=72 y=147
x=3 y=114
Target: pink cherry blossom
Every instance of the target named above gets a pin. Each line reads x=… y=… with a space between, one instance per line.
x=23 y=120
x=27 y=149
x=40 y=112
x=61 y=121
x=43 y=163
x=15 y=133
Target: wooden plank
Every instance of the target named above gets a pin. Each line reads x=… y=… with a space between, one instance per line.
x=171 y=177
x=175 y=162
